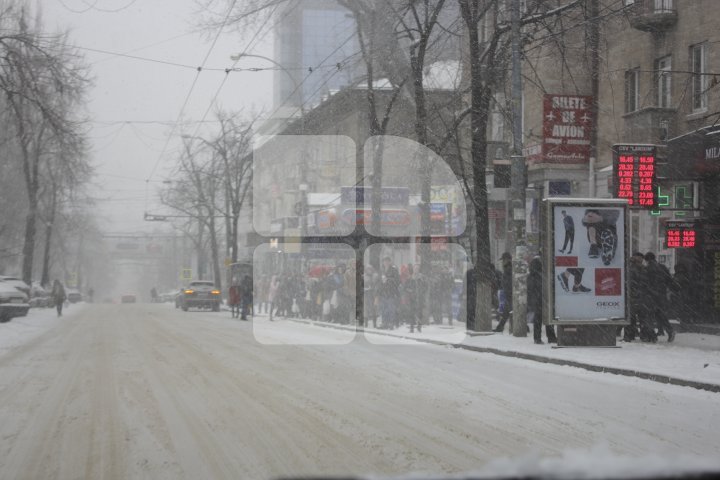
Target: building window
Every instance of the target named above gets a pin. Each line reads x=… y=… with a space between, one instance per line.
x=698 y=68
x=663 y=6
x=632 y=96
x=663 y=67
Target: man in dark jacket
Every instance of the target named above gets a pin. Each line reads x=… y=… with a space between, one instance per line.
x=659 y=279
x=389 y=293
x=639 y=302
x=507 y=287
x=535 y=302
x=246 y=296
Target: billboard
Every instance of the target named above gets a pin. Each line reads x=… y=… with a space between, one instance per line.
x=567 y=127
x=586 y=249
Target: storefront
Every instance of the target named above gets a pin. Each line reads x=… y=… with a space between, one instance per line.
x=694 y=159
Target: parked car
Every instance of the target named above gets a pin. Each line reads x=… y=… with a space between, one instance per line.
x=17 y=283
x=39 y=297
x=128 y=298
x=178 y=298
x=167 y=297
x=201 y=294
x=13 y=302
x=73 y=295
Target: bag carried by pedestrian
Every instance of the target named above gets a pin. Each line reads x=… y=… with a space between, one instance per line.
x=326 y=307
x=334 y=299
x=295 y=308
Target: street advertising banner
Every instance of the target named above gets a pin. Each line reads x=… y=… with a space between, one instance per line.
x=567 y=125
x=586 y=247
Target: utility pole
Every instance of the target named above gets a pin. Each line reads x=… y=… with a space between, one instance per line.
x=519 y=181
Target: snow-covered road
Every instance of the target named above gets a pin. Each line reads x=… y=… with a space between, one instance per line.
x=120 y=391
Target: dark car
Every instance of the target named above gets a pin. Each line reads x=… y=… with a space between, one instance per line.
x=128 y=298
x=74 y=296
x=201 y=294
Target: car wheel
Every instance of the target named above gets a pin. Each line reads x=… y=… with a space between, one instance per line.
x=4 y=318
x=184 y=308
x=216 y=307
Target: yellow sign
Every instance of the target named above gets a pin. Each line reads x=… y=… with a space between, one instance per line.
x=292 y=247
x=186 y=274
x=443 y=194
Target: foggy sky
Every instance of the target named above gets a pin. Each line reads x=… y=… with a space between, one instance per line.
x=124 y=154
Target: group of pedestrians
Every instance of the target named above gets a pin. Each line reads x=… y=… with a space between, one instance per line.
x=327 y=295
x=504 y=292
x=650 y=284
x=408 y=296
x=240 y=298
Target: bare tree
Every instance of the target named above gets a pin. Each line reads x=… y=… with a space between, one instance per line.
x=195 y=194
x=42 y=81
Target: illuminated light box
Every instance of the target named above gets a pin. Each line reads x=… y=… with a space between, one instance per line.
x=681 y=234
x=634 y=175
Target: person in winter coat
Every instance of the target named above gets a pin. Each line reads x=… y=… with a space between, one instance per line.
x=535 y=302
x=659 y=279
x=370 y=280
x=639 y=302
x=234 y=300
x=246 y=296
x=58 y=295
x=507 y=288
x=389 y=293
x=273 y=287
x=408 y=296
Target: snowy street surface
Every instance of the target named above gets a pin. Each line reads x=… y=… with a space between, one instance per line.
x=147 y=391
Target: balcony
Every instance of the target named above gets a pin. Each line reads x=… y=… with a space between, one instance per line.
x=652 y=15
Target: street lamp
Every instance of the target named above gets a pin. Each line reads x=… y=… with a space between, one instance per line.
x=236 y=58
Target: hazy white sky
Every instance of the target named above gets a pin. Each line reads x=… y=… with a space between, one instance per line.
x=131 y=90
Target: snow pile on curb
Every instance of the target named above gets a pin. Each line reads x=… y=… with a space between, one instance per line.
x=20 y=330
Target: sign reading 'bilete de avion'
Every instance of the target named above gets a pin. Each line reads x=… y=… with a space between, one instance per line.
x=634 y=175
x=586 y=280
x=567 y=125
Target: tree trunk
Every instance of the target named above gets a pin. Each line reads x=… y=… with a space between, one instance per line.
x=215 y=251
x=480 y=100
x=45 y=277
x=29 y=245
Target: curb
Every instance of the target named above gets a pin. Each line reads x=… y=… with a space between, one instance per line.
x=666 y=379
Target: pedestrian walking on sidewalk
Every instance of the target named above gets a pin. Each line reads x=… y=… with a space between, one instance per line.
x=246 y=297
x=507 y=288
x=273 y=287
x=659 y=279
x=389 y=293
x=639 y=302
x=535 y=302
x=58 y=295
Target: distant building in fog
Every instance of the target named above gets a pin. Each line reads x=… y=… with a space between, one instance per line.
x=316 y=42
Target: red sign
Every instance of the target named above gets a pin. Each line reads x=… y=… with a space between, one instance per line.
x=608 y=282
x=566 y=261
x=681 y=234
x=567 y=125
x=438 y=244
x=634 y=176
x=387 y=217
